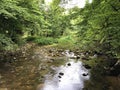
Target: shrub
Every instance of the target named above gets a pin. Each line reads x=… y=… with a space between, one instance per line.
x=30 y=38
x=6 y=43
x=45 y=40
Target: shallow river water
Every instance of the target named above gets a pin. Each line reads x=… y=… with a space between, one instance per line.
x=36 y=72
x=70 y=76
x=41 y=71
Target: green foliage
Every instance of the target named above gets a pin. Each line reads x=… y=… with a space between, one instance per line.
x=55 y=20
x=30 y=38
x=42 y=40
x=6 y=43
x=68 y=40
x=99 y=28
x=98 y=75
x=45 y=40
x=97 y=23
x=18 y=17
x=24 y=18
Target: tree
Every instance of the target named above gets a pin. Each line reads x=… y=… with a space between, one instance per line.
x=18 y=17
x=100 y=25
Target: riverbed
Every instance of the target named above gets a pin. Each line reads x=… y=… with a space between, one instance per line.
x=46 y=68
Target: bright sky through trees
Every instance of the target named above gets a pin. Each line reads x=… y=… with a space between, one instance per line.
x=70 y=3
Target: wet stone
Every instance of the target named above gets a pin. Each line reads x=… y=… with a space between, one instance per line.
x=85 y=74
x=78 y=57
x=84 y=58
x=69 y=64
x=61 y=73
x=59 y=76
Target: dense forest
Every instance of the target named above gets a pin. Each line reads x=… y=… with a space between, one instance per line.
x=93 y=29
x=97 y=24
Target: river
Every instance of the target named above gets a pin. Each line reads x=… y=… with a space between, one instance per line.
x=70 y=76
x=51 y=71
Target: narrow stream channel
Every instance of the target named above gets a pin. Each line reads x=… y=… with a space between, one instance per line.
x=70 y=76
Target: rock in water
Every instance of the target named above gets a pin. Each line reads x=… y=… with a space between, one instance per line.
x=69 y=64
x=72 y=77
x=59 y=76
x=85 y=74
x=61 y=73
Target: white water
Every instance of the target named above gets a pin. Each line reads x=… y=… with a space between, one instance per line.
x=73 y=78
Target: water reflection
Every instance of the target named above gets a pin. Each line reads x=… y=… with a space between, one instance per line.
x=67 y=77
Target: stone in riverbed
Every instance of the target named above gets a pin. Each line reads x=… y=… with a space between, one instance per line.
x=69 y=64
x=50 y=51
x=85 y=74
x=59 y=76
x=84 y=58
x=78 y=57
x=61 y=73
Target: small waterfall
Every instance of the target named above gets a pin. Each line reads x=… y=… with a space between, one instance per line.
x=70 y=76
